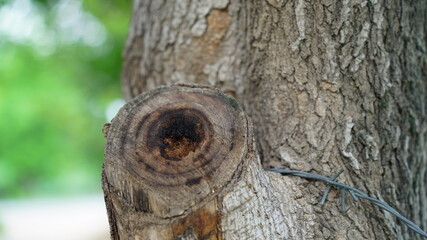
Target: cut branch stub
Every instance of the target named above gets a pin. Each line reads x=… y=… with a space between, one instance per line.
x=170 y=151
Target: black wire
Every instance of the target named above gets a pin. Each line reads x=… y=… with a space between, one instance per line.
x=354 y=192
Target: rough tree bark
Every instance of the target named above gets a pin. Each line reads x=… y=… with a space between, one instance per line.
x=180 y=163
x=327 y=84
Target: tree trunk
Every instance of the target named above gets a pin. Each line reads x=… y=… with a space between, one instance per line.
x=180 y=163
x=328 y=85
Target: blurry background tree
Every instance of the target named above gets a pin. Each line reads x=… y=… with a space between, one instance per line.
x=60 y=63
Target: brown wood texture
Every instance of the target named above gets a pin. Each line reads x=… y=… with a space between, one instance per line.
x=327 y=84
x=180 y=163
x=169 y=154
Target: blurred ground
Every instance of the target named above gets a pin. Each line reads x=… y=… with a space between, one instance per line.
x=77 y=218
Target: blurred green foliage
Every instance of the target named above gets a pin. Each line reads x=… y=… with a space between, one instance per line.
x=52 y=105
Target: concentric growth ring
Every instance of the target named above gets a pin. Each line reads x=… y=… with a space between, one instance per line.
x=179 y=136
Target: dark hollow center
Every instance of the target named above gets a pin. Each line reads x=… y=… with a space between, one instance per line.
x=179 y=134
